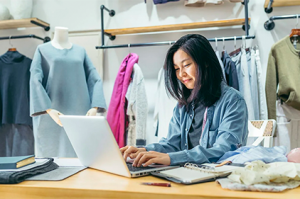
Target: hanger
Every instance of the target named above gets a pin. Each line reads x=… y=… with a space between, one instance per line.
x=236 y=51
x=223 y=51
x=11 y=49
x=216 y=42
x=129 y=49
x=295 y=33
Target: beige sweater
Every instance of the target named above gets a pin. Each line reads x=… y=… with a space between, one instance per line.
x=283 y=71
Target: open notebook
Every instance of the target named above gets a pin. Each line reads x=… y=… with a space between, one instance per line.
x=192 y=173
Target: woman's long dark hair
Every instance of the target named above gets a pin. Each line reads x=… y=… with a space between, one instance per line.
x=209 y=75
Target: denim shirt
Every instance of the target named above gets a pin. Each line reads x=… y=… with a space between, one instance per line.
x=225 y=130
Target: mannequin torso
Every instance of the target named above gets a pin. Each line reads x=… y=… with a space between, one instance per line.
x=61 y=39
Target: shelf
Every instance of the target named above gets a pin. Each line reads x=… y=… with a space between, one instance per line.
x=196 y=25
x=24 y=23
x=281 y=3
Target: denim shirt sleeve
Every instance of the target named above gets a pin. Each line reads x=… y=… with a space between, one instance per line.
x=233 y=130
x=173 y=141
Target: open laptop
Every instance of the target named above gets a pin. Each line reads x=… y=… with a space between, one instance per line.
x=96 y=147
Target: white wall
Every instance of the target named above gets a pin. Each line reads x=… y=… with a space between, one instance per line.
x=85 y=15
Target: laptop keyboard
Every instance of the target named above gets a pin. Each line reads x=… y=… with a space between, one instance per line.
x=132 y=168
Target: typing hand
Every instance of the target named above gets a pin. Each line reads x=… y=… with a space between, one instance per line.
x=147 y=158
x=131 y=151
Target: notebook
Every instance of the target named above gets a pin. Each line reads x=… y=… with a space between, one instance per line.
x=16 y=161
x=193 y=173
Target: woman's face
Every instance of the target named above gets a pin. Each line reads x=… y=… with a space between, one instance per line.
x=185 y=68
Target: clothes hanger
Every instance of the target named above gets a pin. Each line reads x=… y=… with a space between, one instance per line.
x=11 y=49
x=295 y=33
x=129 y=49
x=223 y=51
x=236 y=51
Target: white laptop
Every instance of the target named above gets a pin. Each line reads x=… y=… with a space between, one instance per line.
x=96 y=147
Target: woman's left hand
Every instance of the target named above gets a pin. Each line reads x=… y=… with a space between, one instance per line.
x=151 y=157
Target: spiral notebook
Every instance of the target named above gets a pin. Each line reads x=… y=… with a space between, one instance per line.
x=192 y=173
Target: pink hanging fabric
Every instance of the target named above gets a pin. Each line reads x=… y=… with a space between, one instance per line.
x=116 y=110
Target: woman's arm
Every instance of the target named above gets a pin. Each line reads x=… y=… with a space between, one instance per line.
x=231 y=132
x=173 y=141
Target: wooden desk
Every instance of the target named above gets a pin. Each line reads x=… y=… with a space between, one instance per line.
x=94 y=184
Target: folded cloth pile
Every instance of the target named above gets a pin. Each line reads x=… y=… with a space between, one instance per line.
x=18 y=175
x=258 y=176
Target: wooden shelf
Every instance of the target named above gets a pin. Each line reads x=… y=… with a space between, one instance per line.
x=196 y=25
x=23 y=23
x=281 y=3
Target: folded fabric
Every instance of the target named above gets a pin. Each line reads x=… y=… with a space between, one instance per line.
x=19 y=175
x=252 y=153
x=257 y=172
x=272 y=187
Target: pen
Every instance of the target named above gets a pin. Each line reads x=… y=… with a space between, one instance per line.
x=157 y=184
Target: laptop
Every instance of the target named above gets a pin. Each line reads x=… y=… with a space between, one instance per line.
x=96 y=147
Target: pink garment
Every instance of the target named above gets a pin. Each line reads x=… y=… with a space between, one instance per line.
x=116 y=110
x=294 y=155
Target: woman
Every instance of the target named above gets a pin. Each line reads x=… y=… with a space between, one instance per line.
x=210 y=117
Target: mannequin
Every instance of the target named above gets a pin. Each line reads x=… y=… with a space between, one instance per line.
x=64 y=80
x=61 y=41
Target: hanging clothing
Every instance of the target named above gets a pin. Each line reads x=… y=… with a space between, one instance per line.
x=16 y=134
x=137 y=109
x=288 y=126
x=230 y=71
x=65 y=80
x=283 y=72
x=116 y=110
x=164 y=107
x=16 y=140
x=221 y=64
x=253 y=84
x=242 y=60
x=14 y=92
x=263 y=112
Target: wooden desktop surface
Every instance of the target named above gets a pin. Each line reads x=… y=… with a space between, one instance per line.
x=94 y=184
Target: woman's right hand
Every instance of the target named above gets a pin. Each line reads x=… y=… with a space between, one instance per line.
x=131 y=151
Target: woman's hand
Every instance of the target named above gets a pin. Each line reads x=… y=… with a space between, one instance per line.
x=131 y=151
x=151 y=157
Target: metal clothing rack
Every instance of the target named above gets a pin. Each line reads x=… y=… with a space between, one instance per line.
x=246 y=27
x=269 y=9
x=269 y=25
x=46 y=39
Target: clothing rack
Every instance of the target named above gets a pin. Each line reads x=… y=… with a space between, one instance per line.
x=172 y=42
x=246 y=27
x=269 y=8
x=46 y=39
x=269 y=25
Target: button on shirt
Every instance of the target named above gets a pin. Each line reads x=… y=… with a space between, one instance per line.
x=225 y=129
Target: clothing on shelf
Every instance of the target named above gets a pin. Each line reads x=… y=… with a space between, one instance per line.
x=201 y=3
x=283 y=73
x=164 y=107
x=64 y=80
x=137 y=109
x=230 y=71
x=16 y=134
x=252 y=153
x=116 y=114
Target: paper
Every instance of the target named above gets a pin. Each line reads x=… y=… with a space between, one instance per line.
x=68 y=162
